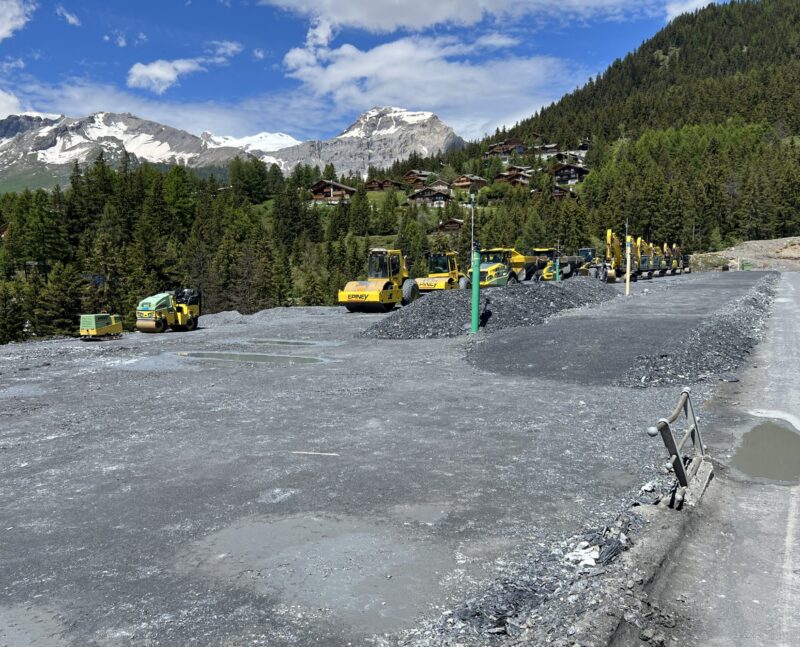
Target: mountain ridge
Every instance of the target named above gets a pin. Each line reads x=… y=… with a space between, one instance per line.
x=44 y=147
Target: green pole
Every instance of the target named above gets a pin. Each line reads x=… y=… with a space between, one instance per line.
x=476 y=289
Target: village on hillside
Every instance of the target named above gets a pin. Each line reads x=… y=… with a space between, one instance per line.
x=511 y=162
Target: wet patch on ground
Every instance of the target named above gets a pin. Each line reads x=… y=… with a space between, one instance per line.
x=365 y=575
x=258 y=358
x=770 y=452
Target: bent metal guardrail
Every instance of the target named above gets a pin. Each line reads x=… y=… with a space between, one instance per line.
x=683 y=472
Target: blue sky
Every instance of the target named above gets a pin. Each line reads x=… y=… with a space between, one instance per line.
x=310 y=67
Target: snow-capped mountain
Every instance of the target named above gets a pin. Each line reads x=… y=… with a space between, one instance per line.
x=40 y=149
x=262 y=142
x=378 y=138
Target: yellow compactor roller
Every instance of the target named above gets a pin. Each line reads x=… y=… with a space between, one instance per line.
x=179 y=310
x=443 y=273
x=387 y=284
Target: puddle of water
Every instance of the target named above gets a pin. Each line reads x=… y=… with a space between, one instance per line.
x=367 y=576
x=771 y=450
x=425 y=513
x=252 y=357
x=285 y=342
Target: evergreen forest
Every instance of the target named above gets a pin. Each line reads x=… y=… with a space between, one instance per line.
x=693 y=140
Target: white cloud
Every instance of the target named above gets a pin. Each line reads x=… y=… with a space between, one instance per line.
x=390 y=15
x=14 y=14
x=675 y=8
x=141 y=39
x=161 y=75
x=118 y=37
x=11 y=64
x=258 y=54
x=428 y=73
x=222 y=50
x=71 y=18
x=9 y=104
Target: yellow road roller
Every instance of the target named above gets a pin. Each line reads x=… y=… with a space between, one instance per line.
x=387 y=284
x=179 y=310
x=443 y=273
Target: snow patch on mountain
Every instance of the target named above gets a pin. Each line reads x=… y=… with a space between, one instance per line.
x=384 y=122
x=264 y=142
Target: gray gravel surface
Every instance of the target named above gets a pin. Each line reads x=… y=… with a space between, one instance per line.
x=151 y=498
x=447 y=313
x=713 y=349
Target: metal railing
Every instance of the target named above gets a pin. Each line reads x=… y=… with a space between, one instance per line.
x=683 y=472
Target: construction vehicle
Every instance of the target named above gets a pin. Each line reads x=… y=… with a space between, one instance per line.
x=546 y=266
x=643 y=255
x=657 y=261
x=671 y=260
x=615 y=262
x=100 y=326
x=683 y=261
x=505 y=266
x=179 y=310
x=443 y=273
x=387 y=284
x=590 y=262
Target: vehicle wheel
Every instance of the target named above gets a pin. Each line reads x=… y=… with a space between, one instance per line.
x=512 y=280
x=191 y=324
x=388 y=307
x=602 y=274
x=410 y=291
x=161 y=326
x=351 y=308
x=463 y=283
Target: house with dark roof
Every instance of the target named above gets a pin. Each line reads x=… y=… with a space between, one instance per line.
x=330 y=192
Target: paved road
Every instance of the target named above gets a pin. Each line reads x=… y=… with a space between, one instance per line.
x=152 y=498
x=737 y=579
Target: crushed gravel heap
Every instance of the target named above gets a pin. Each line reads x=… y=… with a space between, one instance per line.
x=714 y=348
x=447 y=314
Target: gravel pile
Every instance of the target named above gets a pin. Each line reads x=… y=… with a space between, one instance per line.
x=447 y=314
x=714 y=348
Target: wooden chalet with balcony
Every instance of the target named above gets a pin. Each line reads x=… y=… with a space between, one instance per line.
x=330 y=192
x=470 y=181
x=441 y=185
x=505 y=149
x=515 y=176
x=451 y=226
x=417 y=179
x=569 y=173
x=384 y=185
x=430 y=196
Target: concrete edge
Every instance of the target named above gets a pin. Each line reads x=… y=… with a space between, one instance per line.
x=660 y=538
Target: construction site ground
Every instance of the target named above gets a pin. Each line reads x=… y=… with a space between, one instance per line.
x=278 y=479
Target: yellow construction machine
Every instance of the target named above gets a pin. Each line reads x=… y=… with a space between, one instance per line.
x=443 y=273
x=100 y=326
x=672 y=261
x=644 y=257
x=387 y=284
x=614 y=265
x=179 y=310
x=505 y=266
x=546 y=265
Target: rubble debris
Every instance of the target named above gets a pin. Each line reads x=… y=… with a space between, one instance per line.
x=716 y=347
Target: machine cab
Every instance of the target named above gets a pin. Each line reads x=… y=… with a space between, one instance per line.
x=441 y=265
x=384 y=264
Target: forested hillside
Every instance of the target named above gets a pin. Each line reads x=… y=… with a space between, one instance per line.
x=692 y=141
x=729 y=60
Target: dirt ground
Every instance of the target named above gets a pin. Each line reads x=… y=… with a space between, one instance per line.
x=782 y=254
x=308 y=486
